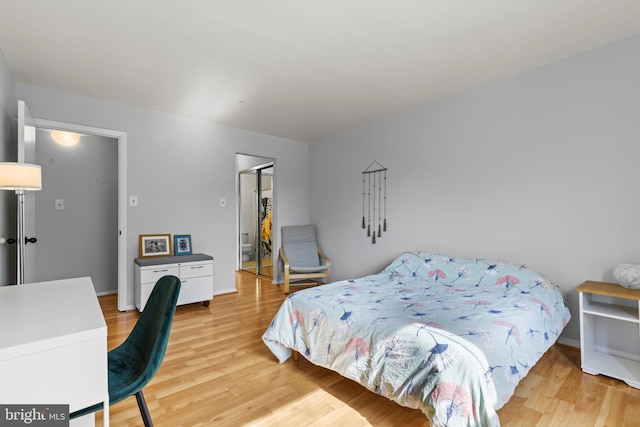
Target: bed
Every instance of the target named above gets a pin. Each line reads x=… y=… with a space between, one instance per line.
x=450 y=336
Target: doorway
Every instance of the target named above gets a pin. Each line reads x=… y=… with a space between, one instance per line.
x=27 y=125
x=256 y=215
x=77 y=209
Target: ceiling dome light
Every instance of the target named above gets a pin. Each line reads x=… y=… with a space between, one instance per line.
x=68 y=139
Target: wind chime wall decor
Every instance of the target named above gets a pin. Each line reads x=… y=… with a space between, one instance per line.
x=374 y=180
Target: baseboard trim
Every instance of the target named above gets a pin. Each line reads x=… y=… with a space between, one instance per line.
x=226 y=291
x=569 y=342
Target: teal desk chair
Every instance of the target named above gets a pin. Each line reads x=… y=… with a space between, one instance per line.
x=137 y=359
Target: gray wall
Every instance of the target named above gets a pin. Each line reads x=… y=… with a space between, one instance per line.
x=8 y=144
x=179 y=168
x=539 y=169
x=82 y=239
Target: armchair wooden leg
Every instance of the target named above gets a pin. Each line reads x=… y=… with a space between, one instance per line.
x=142 y=404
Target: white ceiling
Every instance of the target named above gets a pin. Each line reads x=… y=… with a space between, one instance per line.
x=297 y=69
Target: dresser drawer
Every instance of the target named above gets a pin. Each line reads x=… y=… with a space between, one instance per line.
x=196 y=289
x=194 y=269
x=152 y=275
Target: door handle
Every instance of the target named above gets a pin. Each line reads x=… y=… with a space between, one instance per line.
x=11 y=240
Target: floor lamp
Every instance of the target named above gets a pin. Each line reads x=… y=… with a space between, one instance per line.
x=20 y=177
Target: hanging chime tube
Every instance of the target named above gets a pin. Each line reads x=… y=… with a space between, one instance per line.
x=373 y=240
x=363 y=194
x=368 y=205
x=379 y=204
x=385 y=202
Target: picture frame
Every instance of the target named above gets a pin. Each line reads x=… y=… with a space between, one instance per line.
x=182 y=244
x=151 y=245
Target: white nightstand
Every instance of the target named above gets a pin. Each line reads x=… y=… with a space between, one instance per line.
x=598 y=301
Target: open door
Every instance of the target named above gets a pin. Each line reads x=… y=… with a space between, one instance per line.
x=27 y=154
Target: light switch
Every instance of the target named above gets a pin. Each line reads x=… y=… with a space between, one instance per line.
x=59 y=204
x=223 y=202
x=133 y=201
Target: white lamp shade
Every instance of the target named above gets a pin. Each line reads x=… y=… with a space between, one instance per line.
x=20 y=176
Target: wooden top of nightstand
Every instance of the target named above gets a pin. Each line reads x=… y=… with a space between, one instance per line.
x=608 y=289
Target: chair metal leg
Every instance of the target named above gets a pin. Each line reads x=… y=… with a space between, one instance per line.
x=142 y=404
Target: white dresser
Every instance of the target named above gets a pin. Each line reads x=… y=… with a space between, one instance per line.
x=194 y=271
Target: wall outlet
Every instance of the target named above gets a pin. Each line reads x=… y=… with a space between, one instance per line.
x=59 y=204
x=133 y=201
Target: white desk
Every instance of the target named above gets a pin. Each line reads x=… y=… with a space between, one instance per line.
x=53 y=346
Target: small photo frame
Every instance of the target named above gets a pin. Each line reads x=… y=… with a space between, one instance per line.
x=182 y=244
x=155 y=245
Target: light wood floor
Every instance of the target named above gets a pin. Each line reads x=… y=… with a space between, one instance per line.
x=217 y=372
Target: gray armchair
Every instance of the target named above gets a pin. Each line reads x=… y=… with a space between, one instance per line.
x=304 y=263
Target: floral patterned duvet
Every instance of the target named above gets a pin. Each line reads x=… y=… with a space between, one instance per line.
x=450 y=336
